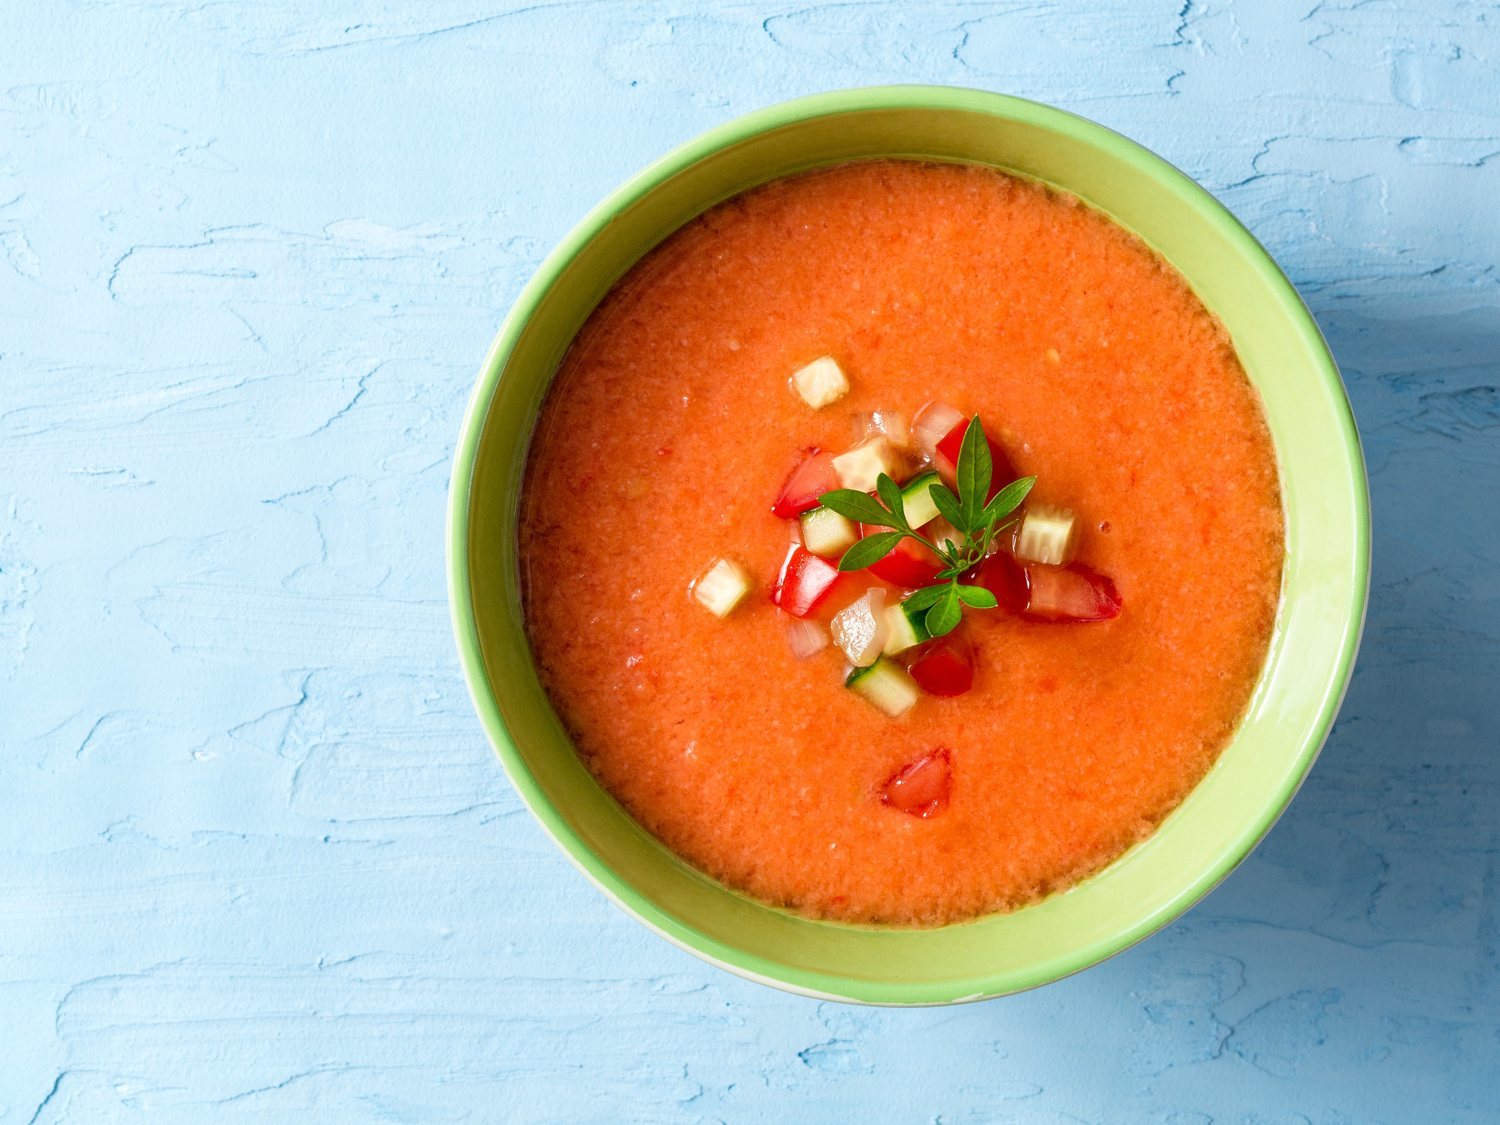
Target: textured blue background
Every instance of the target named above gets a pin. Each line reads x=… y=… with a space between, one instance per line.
x=256 y=859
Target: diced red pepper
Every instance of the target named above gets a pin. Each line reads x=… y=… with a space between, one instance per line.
x=920 y=788
x=1070 y=594
x=944 y=666
x=910 y=565
x=1002 y=576
x=812 y=477
x=945 y=457
x=805 y=580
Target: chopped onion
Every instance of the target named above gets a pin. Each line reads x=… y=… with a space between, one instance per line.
x=934 y=422
x=888 y=422
x=941 y=532
x=860 y=628
x=807 y=638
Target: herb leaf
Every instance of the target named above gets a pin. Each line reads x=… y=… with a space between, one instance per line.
x=858 y=506
x=976 y=521
x=948 y=506
x=975 y=467
x=925 y=598
x=976 y=597
x=944 y=617
x=1007 y=500
x=890 y=492
x=870 y=550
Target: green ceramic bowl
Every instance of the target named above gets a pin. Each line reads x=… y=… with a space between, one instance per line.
x=1311 y=655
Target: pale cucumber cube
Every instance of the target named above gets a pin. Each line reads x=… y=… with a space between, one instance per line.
x=821 y=382
x=861 y=466
x=886 y=685
x=721 y=587
x=1048 y=535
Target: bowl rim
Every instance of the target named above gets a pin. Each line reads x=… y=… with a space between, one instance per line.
x=752 y=966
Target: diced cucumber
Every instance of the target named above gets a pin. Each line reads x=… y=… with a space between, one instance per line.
x=904 y=630
x=721 y=587
x=861 y=466
x=826 y=533
x=886 y=685
x=916 y=498
x=1048 y=535
x=821 y=382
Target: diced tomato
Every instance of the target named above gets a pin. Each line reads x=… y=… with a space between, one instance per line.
x=944 y=666
x=920 y=787
x=945 y=457
x=812 y=477
x=1070 y=594
x=1002 y=576
x=805 y=580
x=910 y=565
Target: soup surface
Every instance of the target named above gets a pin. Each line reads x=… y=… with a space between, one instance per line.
x=670 y=429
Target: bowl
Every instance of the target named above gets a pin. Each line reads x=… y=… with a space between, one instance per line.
x=1325 y=579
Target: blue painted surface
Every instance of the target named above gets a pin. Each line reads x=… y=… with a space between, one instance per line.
x=256 y=859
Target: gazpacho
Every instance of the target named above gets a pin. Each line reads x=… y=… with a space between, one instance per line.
x=900 y=542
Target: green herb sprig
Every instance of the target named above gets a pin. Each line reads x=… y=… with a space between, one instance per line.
x=977 y=521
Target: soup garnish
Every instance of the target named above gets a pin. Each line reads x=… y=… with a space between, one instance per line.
x=976 y=545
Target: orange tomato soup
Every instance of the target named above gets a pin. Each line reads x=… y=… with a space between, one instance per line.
x=671 y=426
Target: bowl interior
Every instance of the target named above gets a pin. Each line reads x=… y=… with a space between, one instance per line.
x=1324 y=583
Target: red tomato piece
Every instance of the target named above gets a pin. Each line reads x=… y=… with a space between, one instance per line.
x=921 y=787
x=805 y=580
x=910 y=565
x=1002 y=576
x=1070 y=594
x=945 y=457
x=944 y=666
x=812 y=477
